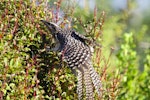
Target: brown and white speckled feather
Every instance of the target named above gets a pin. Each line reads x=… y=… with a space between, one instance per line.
x=80 y=84
x=88 y=85
x=95 y=78
x=77 y=54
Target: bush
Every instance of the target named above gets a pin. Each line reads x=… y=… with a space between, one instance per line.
x=134 y=84
x=29 y=71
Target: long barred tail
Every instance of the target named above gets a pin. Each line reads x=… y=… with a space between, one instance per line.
x=88 y=85
x=95 y=79
x=80 y=85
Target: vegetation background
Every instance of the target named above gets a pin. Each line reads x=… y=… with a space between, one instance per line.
x=29 y=72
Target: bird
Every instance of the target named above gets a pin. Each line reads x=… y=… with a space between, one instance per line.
x=78 y=55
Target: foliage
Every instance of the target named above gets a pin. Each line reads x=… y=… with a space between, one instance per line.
x=134 y=84
x=29 y=71
x=19 y=37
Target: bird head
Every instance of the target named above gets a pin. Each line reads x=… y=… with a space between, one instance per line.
x=52 y=27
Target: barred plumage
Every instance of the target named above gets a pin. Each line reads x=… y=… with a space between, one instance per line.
x=80 y=85
x=77 y=54
x=88 y=85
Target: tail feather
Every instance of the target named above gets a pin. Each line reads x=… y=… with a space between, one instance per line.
x=95 y=79
x=80 y=85
x=88 y=85
x=91 y=80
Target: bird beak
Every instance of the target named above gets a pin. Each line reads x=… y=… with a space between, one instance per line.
x=52 y=27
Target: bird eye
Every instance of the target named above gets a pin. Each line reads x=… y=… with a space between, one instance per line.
x=56 y=36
